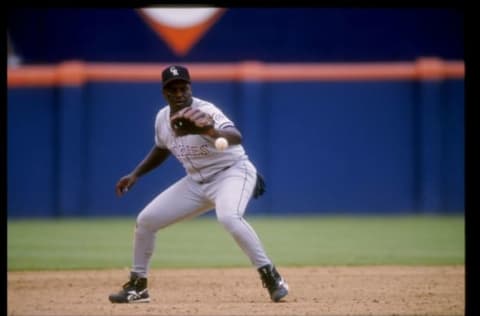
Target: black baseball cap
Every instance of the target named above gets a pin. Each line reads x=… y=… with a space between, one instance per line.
x=175 y=72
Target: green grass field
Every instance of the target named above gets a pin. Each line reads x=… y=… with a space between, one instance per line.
x=202 y=242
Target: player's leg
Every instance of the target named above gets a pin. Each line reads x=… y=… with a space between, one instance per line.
x=232 y=192
x=180 y=201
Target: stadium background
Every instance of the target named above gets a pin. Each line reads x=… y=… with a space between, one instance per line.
x=351 y=145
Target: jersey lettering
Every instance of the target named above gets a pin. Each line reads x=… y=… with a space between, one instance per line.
x=197 y=153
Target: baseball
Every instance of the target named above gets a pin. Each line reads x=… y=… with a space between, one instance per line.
x=221 y=143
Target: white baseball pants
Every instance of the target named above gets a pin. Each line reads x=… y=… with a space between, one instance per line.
x=229 y=193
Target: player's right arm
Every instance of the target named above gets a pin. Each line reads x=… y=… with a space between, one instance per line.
x=153 y=159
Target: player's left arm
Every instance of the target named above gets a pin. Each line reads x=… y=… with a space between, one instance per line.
x=206 y=120
x=230 y=133
x=223 y=126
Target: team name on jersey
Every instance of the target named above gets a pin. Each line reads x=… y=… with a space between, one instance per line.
x=190 y=151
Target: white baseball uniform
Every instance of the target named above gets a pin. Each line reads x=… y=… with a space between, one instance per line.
x=220 y=180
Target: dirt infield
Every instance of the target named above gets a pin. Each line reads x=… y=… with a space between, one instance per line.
x=326 y=291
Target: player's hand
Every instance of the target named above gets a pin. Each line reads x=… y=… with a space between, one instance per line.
x=190 y=120
x=125 y=183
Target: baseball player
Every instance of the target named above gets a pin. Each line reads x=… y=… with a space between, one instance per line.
x=222 y=179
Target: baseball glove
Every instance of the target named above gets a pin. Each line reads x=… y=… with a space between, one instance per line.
x=259 y=186
x=191 y=121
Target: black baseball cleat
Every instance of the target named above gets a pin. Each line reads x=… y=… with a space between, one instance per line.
x=134 y=291
x=271 y=279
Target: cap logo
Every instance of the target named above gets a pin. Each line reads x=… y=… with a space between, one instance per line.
x=174 y=71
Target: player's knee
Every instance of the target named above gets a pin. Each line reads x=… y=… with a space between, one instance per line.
x=229 y=222
x=144 y=222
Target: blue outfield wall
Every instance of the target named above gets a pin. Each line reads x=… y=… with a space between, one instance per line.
x=323 y=147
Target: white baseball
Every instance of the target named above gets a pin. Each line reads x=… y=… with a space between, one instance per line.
x=221 y=143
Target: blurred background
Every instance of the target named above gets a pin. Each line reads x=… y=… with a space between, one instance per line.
x=344 y=111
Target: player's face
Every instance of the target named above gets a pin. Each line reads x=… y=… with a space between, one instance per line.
x=178 y=94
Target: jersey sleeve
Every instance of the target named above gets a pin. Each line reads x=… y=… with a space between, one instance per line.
x=158 y=131
x=219 y=118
